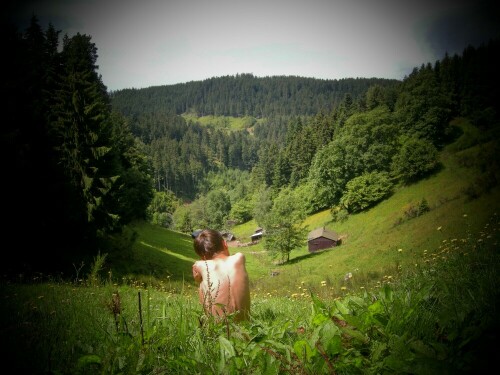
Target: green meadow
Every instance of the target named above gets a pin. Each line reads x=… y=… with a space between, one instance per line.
x=375 y=244
x=228 y=123
x=402 y=294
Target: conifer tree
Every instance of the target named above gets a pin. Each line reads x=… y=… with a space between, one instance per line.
x=82 y=131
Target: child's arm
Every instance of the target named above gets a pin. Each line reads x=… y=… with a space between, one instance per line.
x=197 y=274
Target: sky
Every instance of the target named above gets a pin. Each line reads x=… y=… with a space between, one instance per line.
x=147 y=43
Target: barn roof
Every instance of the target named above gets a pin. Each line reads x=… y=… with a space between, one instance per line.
x=322 y=232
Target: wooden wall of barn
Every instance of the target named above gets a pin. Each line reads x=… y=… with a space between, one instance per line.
x=320 y=243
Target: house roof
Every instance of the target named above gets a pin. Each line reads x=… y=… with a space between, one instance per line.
x=257 y=234
x=322 y=232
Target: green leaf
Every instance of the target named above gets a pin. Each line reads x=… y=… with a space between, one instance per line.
x=376 y=308
x=343 y=309
x=226 y=352
x=377 y=351
x=318 y=305
x=226 y=347
x=356 y=335
x=87 y=181
x=355 y=321
x=376 y=314
x=304 y=350
x=387 y=293
x=319 y=319
x=258 y=337
x=330 y=338
x=100 y=151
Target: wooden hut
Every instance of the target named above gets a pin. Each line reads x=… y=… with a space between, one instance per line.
x=321 y=238
x=257 y=235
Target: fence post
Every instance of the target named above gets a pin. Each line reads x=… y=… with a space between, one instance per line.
x=140 y=317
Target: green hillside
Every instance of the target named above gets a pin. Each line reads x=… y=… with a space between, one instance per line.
x=228 y=123
x=244 y=95
x=377 y=243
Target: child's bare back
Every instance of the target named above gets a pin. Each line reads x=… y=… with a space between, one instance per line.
x=223 y=279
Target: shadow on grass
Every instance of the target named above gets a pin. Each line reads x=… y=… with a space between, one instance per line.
x=307 y=256
x=156 y=253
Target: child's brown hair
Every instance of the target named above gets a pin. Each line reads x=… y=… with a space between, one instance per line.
x=208 y=243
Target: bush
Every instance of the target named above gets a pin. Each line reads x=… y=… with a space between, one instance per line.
x=339 y=214
x=162 y=207
x=163 y=219
x=415 y=210
x=416 y=159
x=241 y=211
x=365 y=191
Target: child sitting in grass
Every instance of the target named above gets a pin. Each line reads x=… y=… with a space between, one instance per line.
x=222 y=278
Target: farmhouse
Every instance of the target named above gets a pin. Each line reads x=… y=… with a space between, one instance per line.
x=257 y=234
x=321 y=238
x=228 y=236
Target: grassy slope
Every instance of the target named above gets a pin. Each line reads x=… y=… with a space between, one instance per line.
x=371 y=244
x=158 y=253
x=223 y=122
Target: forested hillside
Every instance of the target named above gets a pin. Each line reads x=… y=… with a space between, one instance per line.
x=325 y=140
x=244 y=95
x=182 y=153
x=80 y=163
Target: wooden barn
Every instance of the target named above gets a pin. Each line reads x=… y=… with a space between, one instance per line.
x=321 y=238
x=257 y=234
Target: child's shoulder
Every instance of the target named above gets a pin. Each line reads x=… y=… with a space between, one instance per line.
x=238 y=257
x=203 y=263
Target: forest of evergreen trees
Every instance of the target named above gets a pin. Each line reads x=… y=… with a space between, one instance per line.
x=244 y=95
x=183 y=153
x=81 y=162
x=73 y=172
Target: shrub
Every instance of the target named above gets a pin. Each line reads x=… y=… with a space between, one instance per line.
x=416 y=159
x=241 y=211
x=366 y=190
x=415 y=210
x=339 y=214
x=163 y=219
x=96 y=267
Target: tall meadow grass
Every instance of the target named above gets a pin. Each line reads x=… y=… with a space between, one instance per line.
x=437 y=317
